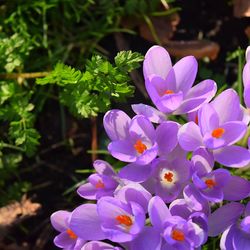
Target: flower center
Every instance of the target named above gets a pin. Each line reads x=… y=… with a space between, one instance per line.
x=168 y=176
x=140 y=147
x=218 y=132
x=99 y=184
x=71 y=234
x=124 y=219
x=168 y=91
x=178 y=235
x=210 y=183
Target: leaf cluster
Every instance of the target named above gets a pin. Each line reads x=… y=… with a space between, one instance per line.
x=92 y=91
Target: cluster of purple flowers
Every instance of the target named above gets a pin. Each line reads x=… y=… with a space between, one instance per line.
x=171 y=194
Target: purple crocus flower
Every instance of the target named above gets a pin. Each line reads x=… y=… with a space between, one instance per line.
x=121 y=222
x=101 y=184
x=236 y=231
x=170 y=87
x=219 y=126
x=170 y=177
x=166 y=139
x=67 y=238
x=177 y=232
x=246 y=78
x=132 y=140
x=237 y=236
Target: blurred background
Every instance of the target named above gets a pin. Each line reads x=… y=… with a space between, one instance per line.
x=60 y=71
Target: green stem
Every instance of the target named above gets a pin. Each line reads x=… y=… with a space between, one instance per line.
x=152 y=29
x=6 y=145
x=240 y=67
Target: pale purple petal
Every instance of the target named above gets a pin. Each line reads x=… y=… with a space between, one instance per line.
x=134 y=192
x=246 y=95
x=226 y=241
x=158 y=212
x=135 y=172
x=232 y=156
x=116 y=124
x=247 y=54
x=197 y=96
x=103 y=167
x=236 y=189
x=179 y=207
x=247 y=210
x=148 y=239
x=63 y=240
x=224 y=217
x=122 y=150
x=86 y=223
x=87 y=191
x=157 y=62
x=241 y=241
x=98 y=245
x=189 y=137
x=169 y=102
x=141 y=128
x=203 y=161
x=151 y=113
x=185 y=71
x=227 y=106
x=166 y=137
x=59 y=220
x=208 y=119
x=148 y=155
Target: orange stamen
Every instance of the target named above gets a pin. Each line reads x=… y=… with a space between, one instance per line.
x=168 y=91
x=178 y=235
x=124 y=219
x=71 y=234
x=140 y=147
x=210 y=183
x=169 y=176
x=196 y=119
x=99 y=184
x=218 y=132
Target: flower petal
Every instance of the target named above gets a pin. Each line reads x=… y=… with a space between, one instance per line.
x=201 y=93
x=166 y=136
x=136 y=173
x=151 y=113
x=169 y=102
x=98 y=245
x=158 y=212
x=157 y=62
x=103 y=167
x=116 y=124
x=226 y=241
x=224 y=217
x=59 y=220
x=227 y=106
x=189 y=136
x=122 y=150
x=64 y=241
x=184 y=73
x=232 y=156
x=86 y=223
x=236 y=189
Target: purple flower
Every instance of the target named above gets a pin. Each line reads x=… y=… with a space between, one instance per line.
x=178 y=232
x=101 y=184
x=67 y=238
x=132 y=140
x=237 y=236
x=246 y=78
x=170 y=177
x=170 y=88
x=166 y=139
x=121 y=222
x=219 y=126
